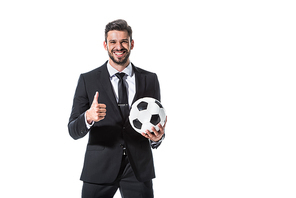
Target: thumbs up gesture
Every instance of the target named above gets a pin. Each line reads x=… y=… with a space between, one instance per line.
x=96 y=112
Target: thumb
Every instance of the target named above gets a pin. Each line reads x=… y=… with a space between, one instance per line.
x=96 y=98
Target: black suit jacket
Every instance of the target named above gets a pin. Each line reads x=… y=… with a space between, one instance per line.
x=106 y=137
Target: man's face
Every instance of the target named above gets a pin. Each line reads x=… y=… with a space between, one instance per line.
x=119 y=47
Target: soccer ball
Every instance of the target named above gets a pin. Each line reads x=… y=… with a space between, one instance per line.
x=146 y=113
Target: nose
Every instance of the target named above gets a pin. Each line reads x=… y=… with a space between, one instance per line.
x=118 y=46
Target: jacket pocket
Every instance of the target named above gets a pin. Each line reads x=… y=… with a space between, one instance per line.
x=95 y=147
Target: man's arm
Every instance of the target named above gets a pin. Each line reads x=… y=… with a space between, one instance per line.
x=83 y=116
x=76 y=126
x=157 y=136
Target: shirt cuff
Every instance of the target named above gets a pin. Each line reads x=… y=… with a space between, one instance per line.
x=155 y=145
x=86 y=123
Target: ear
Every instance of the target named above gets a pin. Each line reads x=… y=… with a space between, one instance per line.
x=132 y=44
x=105 y=45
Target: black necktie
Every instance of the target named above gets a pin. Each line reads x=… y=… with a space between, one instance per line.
x=122 y=96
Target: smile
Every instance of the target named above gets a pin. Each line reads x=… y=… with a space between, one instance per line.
x=119 y=54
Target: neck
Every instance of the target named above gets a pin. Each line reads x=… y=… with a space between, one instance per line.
x=118 y=67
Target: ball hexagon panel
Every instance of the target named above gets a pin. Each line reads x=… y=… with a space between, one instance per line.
x=142 y=106
x=155 y=119
x=137 y=124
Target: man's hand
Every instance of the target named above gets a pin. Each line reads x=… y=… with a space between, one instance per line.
x=96 y=112
x=157 y=134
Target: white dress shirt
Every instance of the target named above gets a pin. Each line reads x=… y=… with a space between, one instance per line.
x=129 y=80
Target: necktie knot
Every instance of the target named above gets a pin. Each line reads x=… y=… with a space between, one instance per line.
x=120 y=75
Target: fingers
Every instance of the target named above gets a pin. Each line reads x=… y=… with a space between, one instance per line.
x=161 y=128
x=95 y=104
x=97 y=112
x=145 y=135
x=148 y=134
x=96 y=99
x=100 y=109
x=166 y=119
x=100 y=112
x=154 y=135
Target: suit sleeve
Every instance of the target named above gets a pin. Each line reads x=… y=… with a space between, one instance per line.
x=153 y=144
x=157 y=89
x=76 y=126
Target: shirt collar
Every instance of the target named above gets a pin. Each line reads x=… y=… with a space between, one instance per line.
x=112 y=71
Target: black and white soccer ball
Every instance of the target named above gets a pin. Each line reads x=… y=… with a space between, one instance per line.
x=147 y=113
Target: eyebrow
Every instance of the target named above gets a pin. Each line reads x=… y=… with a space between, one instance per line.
x=116 y=40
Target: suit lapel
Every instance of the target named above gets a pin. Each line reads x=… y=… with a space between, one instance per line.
x=140 y=84
x=104 y=81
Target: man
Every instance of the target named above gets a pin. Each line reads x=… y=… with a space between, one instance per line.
x=116 y=155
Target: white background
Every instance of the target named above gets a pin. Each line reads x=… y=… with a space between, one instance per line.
x=227 y=76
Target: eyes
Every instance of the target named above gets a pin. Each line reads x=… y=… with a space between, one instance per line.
x=121 y=42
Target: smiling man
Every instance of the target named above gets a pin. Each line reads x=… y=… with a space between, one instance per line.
x=116 y=156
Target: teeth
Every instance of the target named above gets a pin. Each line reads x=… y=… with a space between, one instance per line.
x=119 y=53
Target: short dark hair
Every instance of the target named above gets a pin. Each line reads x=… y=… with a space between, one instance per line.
x=119 y=25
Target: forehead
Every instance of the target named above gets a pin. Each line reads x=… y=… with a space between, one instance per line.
x=117 y=35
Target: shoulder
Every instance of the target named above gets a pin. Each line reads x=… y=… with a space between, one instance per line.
x=95 y=71
x=142 y=71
